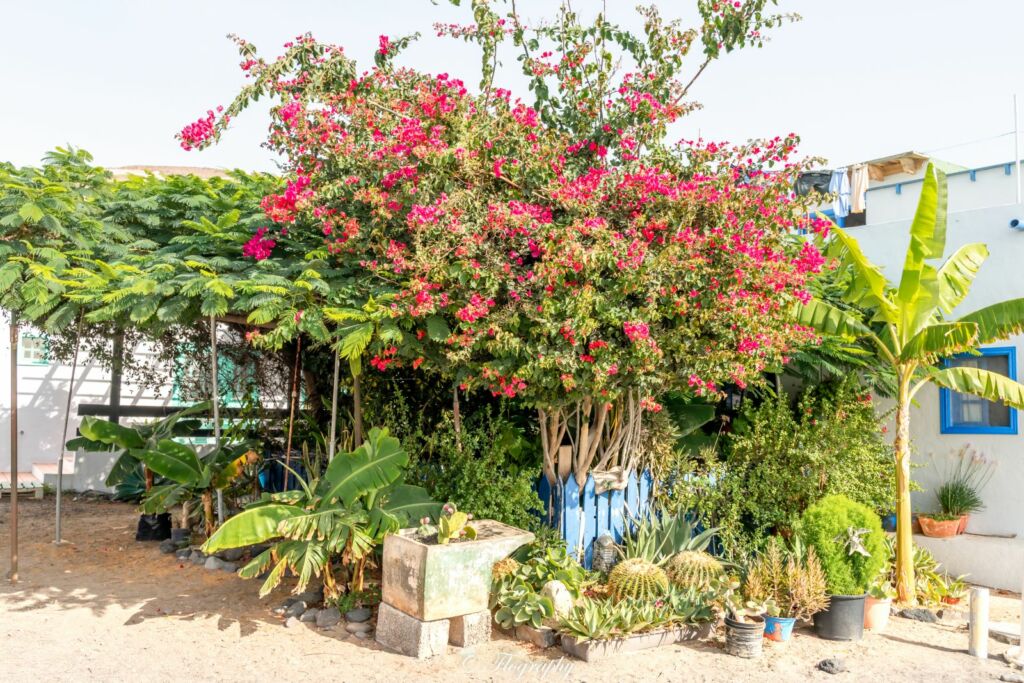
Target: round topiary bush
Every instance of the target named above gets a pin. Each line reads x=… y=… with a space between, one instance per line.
x=693 y=569
x=636 y=578
x=849 y=541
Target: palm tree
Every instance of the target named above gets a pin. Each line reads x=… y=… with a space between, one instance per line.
x=906 y=326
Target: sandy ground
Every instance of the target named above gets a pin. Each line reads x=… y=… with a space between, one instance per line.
x=105 y=608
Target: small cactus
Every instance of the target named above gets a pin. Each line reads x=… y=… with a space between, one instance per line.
x=694 y=569
x=453 y=524
x=637 y=578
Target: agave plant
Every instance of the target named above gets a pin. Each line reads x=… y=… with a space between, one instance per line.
x=342 y=515
x=657 y=536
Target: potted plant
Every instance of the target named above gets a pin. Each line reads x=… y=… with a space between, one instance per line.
x=850 y=544
x=878 y=603
x=744 y=620
x=939 y=525
x=443 y=570
x=960 y=495
x=793 y=586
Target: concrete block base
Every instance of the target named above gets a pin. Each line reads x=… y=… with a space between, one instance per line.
x=409 y=636
x=471 y=629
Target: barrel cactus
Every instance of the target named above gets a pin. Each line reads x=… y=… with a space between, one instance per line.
x=636 y=578
x=694 y=569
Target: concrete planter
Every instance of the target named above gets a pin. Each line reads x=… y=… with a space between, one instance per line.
x=543 y=637
x=433 y=582
x=594 y=650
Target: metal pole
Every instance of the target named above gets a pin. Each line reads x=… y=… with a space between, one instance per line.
x=1016 y=145
x=291 y=413
x=216 y=410
x=13 y=574
x=334 y=409
x=64 y=435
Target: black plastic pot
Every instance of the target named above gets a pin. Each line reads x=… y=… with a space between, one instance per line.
x=154 y=527
x=843 y=620
x=744 y=639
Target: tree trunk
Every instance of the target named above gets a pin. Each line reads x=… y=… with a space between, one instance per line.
x=208 y=512
x=905 y=584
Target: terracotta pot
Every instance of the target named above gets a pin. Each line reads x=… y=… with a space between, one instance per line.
x=876 y=613
x=946 y=528
x=963 y=524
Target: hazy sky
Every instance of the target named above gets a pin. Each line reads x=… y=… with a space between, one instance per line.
x=856 y=79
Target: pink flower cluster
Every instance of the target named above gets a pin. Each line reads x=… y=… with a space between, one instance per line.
x=259 y=247
x=199 y=132
x=636 y=330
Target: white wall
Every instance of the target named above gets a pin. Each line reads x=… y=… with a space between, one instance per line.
x=42 y=398
x=1001 y=278
x=991 y=187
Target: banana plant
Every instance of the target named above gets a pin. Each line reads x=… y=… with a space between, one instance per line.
x=342 y=515
x=909 y=326
x=186 y=474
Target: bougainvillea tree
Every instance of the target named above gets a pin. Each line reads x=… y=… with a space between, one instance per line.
x=558 y=252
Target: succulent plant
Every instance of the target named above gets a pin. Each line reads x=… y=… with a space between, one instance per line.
x=505 y=567
x=694 y=569
x=637 y=578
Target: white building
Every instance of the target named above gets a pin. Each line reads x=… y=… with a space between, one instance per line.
x=983 y=207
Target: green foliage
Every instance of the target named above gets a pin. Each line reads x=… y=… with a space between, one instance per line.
x=359 y=500
x=515 y=593
x=960 y=494
x=849 y=541
x=694 y=569
x=637 y=578
x=932 y=584
x=779 y=459
x=451 y=525
x=602 y=619
x=489 y=468
x=657 y=536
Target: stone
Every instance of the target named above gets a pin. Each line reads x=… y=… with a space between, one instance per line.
x=359 y=614
x=832 y=665
x=309 y=616
x=410 y=636
x=543 y=637
x=1004 y=632
x=329 y=617
x=185 y=554
x=213 y=562
x=363 y=635
x=310 y=597
x=433 y=581
x=358 y=627
x=167 y=547
x=197 y=557
x=231 y=554
x=919 y=614
x=470 y=630
x=296 y=609
x=229 y=567
x=560 y=597
x=292 y=622
x=1011 y=678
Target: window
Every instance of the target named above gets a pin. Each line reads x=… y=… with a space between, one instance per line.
x=966 y=414
x=33 y=349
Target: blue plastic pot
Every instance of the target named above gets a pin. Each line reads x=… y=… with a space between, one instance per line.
x=889 y=522
x=778 y=628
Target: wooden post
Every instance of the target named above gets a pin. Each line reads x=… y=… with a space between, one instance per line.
x=215 y=390
x=331 y=445
x=978 y=646
x=13 y=574
x=294 y=398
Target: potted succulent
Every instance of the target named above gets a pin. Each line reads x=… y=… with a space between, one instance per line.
x=744 y=621
x=878 y=603
x=850 y=544
x=443 y=570
x=792 y=584
x=960 y=495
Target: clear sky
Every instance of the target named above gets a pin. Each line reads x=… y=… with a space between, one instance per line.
x=857 y=79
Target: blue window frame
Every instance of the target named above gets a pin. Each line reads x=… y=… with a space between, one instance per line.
x=966 y=414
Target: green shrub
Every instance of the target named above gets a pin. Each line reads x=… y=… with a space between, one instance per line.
x=492 y=475
x=849 y=541
x=778 y=459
